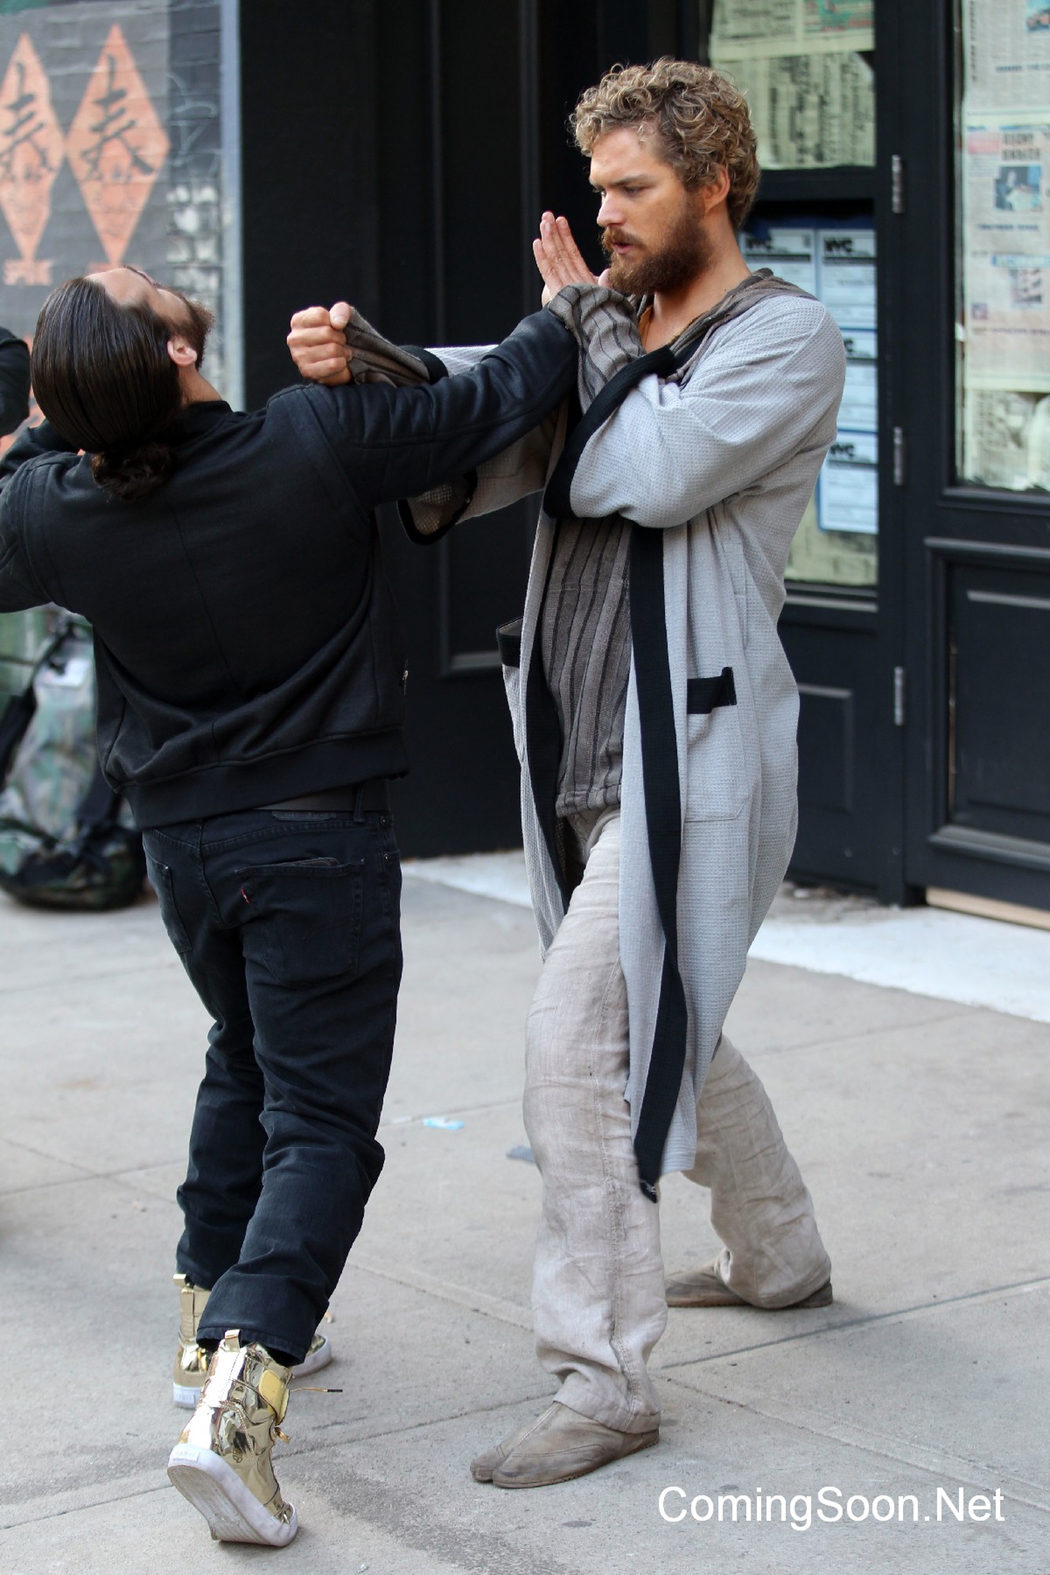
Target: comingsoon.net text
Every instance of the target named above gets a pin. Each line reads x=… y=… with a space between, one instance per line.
x=827 y=1506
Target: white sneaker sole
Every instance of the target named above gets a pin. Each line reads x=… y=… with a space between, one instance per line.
x=188 y=1394
x=232 y=1511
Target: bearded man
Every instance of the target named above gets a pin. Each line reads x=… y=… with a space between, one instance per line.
x=655 y=715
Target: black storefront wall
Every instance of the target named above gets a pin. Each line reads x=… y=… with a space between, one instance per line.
x=402 y=162
x=399 y=154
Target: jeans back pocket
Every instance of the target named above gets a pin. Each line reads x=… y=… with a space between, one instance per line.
x=304 y=918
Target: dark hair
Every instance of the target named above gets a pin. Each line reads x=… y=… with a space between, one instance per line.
x=103 y=376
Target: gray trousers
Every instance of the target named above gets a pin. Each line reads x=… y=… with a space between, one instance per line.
x=598 y=1290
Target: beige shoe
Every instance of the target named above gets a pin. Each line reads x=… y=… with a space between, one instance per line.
x=221 y=1462
x=483 y=1465
x=191 y=1360
x=706 y=1288
x=559 y=1445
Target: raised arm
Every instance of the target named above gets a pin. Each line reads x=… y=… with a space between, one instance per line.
x=395 y=443
x=601 y=320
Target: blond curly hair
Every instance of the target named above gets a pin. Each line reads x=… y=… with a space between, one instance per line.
x=699 y=120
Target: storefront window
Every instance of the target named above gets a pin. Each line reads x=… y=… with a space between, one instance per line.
x=807 y=68
x=836 y=541
x=1003 y=245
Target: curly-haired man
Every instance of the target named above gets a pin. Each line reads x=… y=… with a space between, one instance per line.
x=655 y=714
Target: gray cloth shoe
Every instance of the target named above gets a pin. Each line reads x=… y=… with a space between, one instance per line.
x=559 y=1445
x=482 y=1467
x=706 y=1288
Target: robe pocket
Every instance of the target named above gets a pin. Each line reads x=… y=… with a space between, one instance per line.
x=508 y=638
x=717 y=779
x=305 y=918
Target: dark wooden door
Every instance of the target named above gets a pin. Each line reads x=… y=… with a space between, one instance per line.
x=389 y=158
x=970 y=406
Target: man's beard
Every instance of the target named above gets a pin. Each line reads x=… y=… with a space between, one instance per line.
x=684 y=254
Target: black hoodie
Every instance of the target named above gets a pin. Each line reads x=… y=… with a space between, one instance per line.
x=247 y=645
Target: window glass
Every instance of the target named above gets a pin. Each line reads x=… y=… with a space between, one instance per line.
x=807 y=67
x=807 y=70
x=836 y=542
x=1002 y=322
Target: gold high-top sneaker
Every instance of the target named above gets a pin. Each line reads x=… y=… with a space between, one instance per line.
x=191 y=1362
x=221 y=1462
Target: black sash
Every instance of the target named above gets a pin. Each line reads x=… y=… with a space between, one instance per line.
x=663 y=809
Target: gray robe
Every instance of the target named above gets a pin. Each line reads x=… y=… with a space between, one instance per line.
x=722 y=457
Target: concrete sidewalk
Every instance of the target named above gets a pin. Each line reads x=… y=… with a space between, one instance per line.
x=920 y=1396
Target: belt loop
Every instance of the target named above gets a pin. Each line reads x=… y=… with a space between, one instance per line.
x=359 y=798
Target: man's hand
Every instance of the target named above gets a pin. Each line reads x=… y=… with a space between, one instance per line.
x=558 y=257
x=318 y=344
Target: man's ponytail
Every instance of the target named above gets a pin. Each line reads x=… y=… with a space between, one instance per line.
x=133 y=473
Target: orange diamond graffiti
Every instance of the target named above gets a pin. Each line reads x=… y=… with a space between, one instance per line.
x=30 y=154
x=116 y=146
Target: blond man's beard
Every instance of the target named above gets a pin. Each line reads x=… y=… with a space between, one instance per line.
x=684 y=255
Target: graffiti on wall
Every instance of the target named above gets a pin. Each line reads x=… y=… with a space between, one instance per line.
x=115 y=146
x=31 y=147
x=110 y=148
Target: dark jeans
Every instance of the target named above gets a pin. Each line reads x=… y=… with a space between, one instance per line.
x=288 y=924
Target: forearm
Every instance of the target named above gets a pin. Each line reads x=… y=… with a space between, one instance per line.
x=31 y=443
x=396 y=443
x=605 y=327
x=764 y=394
x=515 y=473
x=602 y=322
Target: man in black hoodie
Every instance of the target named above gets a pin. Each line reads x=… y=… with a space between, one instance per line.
x=250 y=695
